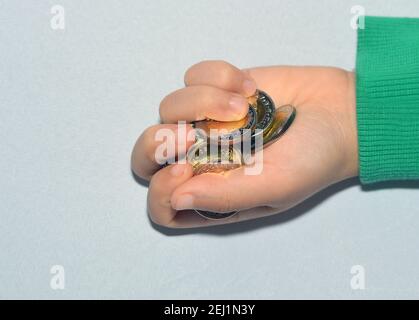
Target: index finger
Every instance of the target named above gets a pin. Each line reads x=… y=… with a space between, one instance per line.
x=222 y=75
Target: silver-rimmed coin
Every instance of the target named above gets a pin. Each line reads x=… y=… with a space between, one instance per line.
x=222 y=131
x=215 y=215
x=265 y=109
x=284 y=117
x=221 y=159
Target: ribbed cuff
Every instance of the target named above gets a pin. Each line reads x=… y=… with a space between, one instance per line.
x=387 y=99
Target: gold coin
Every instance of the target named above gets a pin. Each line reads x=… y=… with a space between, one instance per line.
x=227 y=131
x=213 y=158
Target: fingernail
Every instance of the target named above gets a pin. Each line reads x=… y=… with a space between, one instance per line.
x=249 y=87
x=184 y=201
x=177 y=170
x=238 y=104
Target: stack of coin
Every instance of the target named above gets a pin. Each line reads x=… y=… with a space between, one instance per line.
x=219 y=145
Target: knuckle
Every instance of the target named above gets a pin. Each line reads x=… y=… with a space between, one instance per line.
x=163 y=106
x=157 y=201
x=136 y=157
x=150 y=143
x=156 y=219
x=221 y=64
x=226 y=76
x=225 y=71
x=148 y=138
x=226 y=204
x=157 y=186
x=207 y=97
x=138 y=170
x=191 y=72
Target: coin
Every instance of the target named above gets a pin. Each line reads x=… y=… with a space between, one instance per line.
x=231 y=131
x=218 y=160
x=262 y=119
x=284 y=116
x=215 y=215
x=265 y=109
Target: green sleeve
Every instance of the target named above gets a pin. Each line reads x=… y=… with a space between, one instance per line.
x=387 y=99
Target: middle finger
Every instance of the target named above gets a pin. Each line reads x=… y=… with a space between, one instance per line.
x=202 y=102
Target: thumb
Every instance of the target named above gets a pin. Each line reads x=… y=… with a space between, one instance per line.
x=232 y=190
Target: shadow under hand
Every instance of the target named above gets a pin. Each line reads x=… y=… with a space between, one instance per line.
x=291 y=214
x=406 y=184
x=249 y=225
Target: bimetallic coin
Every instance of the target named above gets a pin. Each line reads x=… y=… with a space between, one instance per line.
x=200 y=157
x=219 y=159
x=284 y=116
x=215 y=215
x=265 y=109
x=231 y=131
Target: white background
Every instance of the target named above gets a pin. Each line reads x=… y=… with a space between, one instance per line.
x=72 y=103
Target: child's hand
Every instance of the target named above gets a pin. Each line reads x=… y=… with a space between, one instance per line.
x=319 y=149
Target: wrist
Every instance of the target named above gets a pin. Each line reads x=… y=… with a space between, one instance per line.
x=351 y=166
